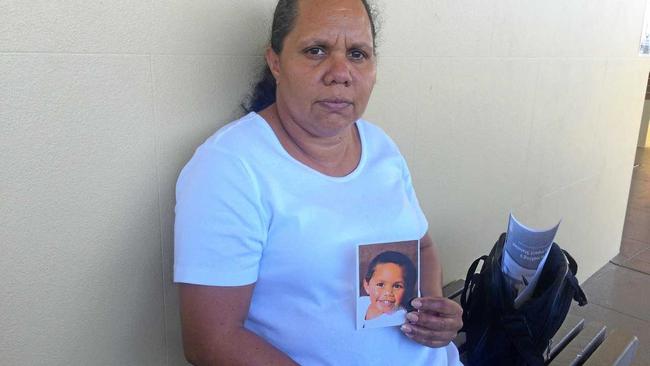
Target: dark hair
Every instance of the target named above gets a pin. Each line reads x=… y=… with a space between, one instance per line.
x=408 y=268
x=284 y=19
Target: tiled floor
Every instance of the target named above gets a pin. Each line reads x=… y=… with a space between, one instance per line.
x=619 y=293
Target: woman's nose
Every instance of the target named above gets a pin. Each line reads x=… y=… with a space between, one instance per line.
x=338 y=71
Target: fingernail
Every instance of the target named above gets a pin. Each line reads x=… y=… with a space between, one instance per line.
x=406 y=329
x=416 y=303
x=412 y=317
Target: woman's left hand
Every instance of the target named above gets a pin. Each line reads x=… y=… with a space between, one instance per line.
x=435 y=322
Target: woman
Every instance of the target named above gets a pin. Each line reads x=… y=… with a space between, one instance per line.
x=270 y=209
x=390 y=283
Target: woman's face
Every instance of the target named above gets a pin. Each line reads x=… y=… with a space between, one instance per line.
x=326 y=70
x=386 y=287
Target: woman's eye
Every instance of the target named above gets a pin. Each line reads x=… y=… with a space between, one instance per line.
x=357 y=55
x=315 y=51
x=380 y=284
x=398 y=285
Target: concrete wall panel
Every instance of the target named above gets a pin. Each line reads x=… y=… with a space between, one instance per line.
x=81 y=259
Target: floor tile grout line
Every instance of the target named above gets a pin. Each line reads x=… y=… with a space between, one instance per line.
x=644 y=242
x=635 y=253
x=637 y=256
x=644 y=250
x=630 y=268
x=637 y=240
x=619 y=312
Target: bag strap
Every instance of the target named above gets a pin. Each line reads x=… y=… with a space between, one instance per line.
x=579 y=295
x=573 y=266
x=501 y=294
x=470 y=282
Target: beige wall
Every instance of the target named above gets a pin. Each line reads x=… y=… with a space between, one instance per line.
x=503 y=105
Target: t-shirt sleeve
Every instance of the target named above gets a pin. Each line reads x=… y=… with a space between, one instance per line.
x=219 y=233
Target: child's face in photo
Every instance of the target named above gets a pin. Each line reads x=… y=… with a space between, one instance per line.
x=386 y=287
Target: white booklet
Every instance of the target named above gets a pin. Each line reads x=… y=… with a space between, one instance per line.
x=524 y=255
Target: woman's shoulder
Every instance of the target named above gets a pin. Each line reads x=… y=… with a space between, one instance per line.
x=234 y=147
x=239 y=134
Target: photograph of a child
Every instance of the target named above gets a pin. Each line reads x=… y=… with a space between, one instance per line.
x=388 y=280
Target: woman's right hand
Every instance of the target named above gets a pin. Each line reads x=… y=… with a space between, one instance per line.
x=435 y=322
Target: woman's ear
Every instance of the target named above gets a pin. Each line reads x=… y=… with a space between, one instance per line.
x=273 y=61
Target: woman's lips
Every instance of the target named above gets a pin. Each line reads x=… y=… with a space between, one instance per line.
x=335 y=104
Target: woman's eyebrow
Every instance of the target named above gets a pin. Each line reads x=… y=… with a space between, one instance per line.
x=324 y=42
x=361 y=45
x=313 y=42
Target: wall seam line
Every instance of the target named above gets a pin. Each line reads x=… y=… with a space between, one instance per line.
x=160 y=219
x=531 y=127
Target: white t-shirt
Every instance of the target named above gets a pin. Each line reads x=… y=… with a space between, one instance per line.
x=247 y=212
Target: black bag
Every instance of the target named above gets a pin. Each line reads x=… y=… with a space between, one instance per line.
x=499 y=334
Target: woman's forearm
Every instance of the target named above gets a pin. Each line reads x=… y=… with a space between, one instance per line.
x=239 y=347
x=431 y=270
x=213 y=328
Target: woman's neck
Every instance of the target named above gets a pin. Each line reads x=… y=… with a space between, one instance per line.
x=336 y=155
